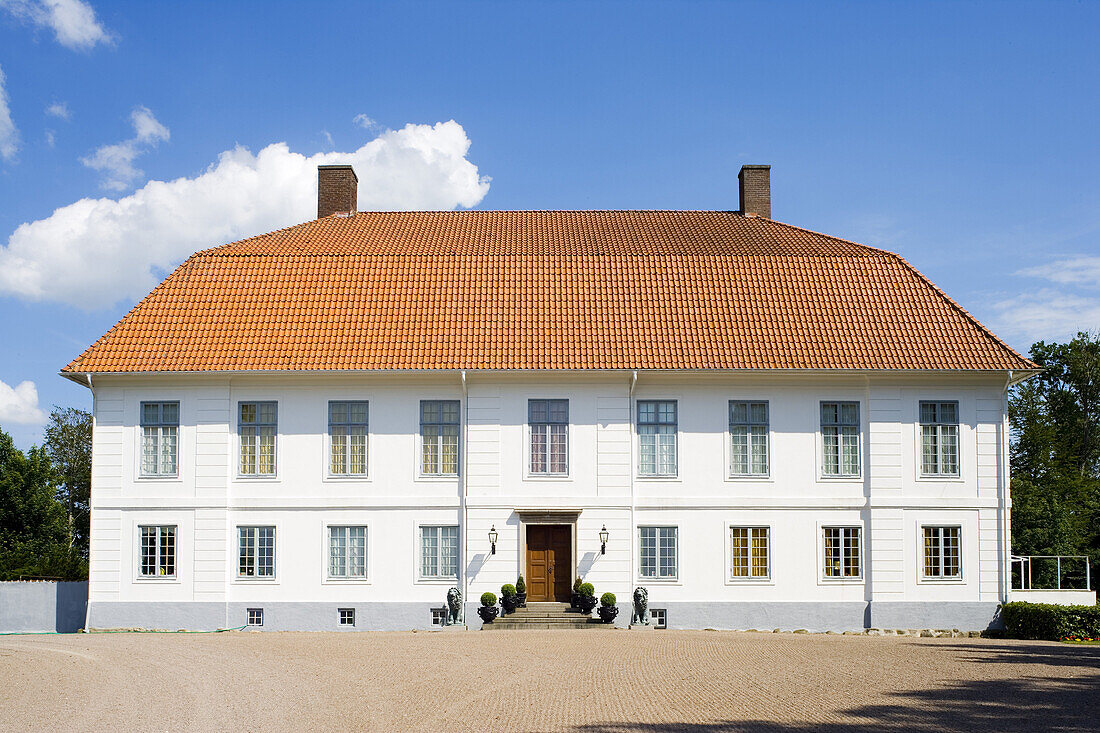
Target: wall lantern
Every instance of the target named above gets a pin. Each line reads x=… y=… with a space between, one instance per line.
x=493 y=539
x=603 y=540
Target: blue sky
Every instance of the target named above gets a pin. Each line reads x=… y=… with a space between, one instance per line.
x=961 y=135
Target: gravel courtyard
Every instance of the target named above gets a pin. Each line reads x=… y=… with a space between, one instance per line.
x=544 y=680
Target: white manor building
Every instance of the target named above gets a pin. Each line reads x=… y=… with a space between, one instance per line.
x=323 y=427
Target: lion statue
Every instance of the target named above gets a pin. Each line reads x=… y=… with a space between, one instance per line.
x=454 y=607
x=641 y=608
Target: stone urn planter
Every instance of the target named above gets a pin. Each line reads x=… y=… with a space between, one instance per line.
x=521 y=592
x=487 y=613
x=608 y=610
x=509 y=604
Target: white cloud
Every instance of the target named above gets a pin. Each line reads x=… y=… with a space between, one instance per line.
x=328 y=139
x=95 y=252
x=1054 y=313
x=73 y=22
x=365 y=122
x=51 y=138
x=117 y=161
x=19 y=404
x=59 y=110
x=1083 y=271
x=9 y=134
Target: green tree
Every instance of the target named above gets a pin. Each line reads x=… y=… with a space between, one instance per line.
x=69 y=446
x=1055 y=418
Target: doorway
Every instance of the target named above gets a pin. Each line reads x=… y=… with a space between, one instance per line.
x=549 y=562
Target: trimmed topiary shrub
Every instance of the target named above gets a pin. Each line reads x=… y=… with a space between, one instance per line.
x=607 y=599
x=488 y=599
x=1050 y=622
x=507 y=590
x=577 y=585
x=521 y=585
x=588 y=590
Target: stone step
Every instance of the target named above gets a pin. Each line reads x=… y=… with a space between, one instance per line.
x=543 y=625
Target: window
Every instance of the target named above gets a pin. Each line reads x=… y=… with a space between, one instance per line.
x=749 y=552
x=439 y=437
x=549 y=422
x=347 y=431
x=658 y=552
x=842 y=552
x=158 y=551
x=255 y=617
x=941 y=552
x=438 y=616
x=347 y=616
x=939 y=438
x=659 y=618
x=257 y=423
x=657 y=437
x=840 y=433
x=439 y=552
x=257 y=552
x=159 y=438
x=748 y=438
x=347 y=553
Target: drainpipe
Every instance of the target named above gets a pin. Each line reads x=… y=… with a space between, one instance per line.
x=88 y=602
x=630 y=424
x=1002 y=497
x=462 y=495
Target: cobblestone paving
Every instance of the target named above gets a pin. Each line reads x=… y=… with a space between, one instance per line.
x=544 y=680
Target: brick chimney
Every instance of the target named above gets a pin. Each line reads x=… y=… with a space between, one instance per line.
x=755 y=185
x=337 y=188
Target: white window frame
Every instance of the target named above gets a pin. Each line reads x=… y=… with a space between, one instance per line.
x=340 y=616
x=420 y=576
x=939 y=440
x=823 y=474
x=748 y=579
x=637 y=423
x=327 y=553
x=258 y=425
x=548 y=474
x=934 y=579
x=160 y=527
x=239 y=576
x=248 y=616
x=848 y=526
x=365 y=475
x=439 y=456
x=730 y=474
x=675 y=577
x=160 y=425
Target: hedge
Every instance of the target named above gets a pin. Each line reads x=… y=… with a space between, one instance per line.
x=1050 y=622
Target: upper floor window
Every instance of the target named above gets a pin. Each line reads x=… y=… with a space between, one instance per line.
x=657 y=547
x=939 y=438
x=941 y=552
x=840 y=438
x=256 y=552
x=347 y=552
x=842 y=552
x=439 y=551
x=347 y=430
x=159 y=438
x=749 y=552
x=158 y=551
x=549 y=423
x=258 y=423
x=657 y=437
x=748 y=438
x=439 y=437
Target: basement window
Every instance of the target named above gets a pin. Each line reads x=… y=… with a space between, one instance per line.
x=659 y=618
x=347 y=617
x=438 y=615
x=255 y=617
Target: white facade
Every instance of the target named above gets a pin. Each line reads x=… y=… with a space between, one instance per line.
x=889 y=500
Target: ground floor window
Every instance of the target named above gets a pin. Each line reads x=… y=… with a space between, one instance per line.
x=256 y=553
x=158 y=551
x=658 y=552
x=255 y=617
x=749 y=556
x=439 y=551
x=842 y=552
x=941 y=552
x=347 y=617
x=347 y=552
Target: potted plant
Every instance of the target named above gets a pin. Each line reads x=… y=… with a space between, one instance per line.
x=521 y=592
x=587 y=600
x=575 y=597
x=608 y=610
x=488 y=610
x=508 y=597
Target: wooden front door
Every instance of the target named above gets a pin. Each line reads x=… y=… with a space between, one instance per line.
x=549 y=562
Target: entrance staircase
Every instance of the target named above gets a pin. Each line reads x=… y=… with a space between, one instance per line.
x=545 y=616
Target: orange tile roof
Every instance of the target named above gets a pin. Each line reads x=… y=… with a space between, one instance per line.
x=545 y=290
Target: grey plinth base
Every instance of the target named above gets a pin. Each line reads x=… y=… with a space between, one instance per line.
x=456 y=627
x=639 y=627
